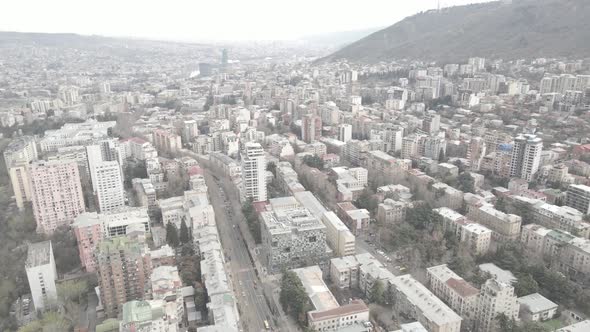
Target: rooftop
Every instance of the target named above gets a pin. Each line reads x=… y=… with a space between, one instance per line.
x=536 y=302
x=39 y=254
x=319 y=294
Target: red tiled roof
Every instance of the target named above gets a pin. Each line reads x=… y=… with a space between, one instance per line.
x=356 y=306
x=462 y=287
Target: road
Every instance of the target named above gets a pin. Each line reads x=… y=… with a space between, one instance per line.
x=247 y=285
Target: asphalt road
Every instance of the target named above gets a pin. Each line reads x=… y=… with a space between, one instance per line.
x=247 y=286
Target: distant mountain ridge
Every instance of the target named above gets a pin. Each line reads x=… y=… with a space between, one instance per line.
x=340 y=38
x=523 y=28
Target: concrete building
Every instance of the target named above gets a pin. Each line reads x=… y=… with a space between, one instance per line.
x=344 y=132
x=145 y=316
x=145 y=195
x=71 y=134
x=23 y=148
x=107 y=183
x=460 y=295
x=495 y=298
x=505 y=227
x=166 y=286
x=535 y=307
x=90 y=228
x=391 y=212
x=526 y=156
x=350 y=182
x=578 y=197
x=291 y=238
x=167 y=141
x=328 y=314
x=56 y=194
x=311 y=128
x=431 y=123
x=41 y=274
x=254 y=172
x=338 y=236
x=415 y=301
x=19 y=178
x=124 y=269
x=357 y=220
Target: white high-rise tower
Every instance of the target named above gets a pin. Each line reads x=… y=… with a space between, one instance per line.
x=254 y=172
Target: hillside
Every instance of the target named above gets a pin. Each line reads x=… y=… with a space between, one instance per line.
x=525 y=28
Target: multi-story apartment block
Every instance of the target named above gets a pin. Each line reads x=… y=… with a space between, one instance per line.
x=526 y=156
x=414 y=300
x=107 y=182
x=167 y=141
x=327 y=314
x=338 y=236
x=254 y=172
x=504 y=227
x=578 y=197
x=311 y=128
x=124 y=269
x=71 y=134
x=41 y=274
x=477 y=237
x=166 y=286
x=56 y=194
x=391 y=212
x=345 y=132
x=91 y=228
x=460 y=295
x=567 y=253
x=350 y=182
x=19 y=177
x=22 y=149
x=291 y=238
x=495 y=298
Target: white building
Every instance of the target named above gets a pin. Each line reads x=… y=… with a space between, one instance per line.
x=254 y=172
x=526 y=156
x=495 y=298
x=107 y=183
x=41 y=274
x=535 y=307
x=344 y=132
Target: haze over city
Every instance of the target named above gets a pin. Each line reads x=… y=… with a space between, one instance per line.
x=186 y=20
x=295 y=166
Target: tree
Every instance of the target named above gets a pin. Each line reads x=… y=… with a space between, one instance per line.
x=252 y=220
x=377 y=292
x=466 y=183
x=366 y=201
x=272 y=167
x=172 y=235
x=314 y=161
x=525 y=285
x=293 y=297
x=500 y=204
x=184 y=233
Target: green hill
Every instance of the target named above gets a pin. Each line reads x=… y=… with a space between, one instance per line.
x=525 y=28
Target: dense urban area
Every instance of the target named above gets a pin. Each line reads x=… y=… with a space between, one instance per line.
x=163 y=187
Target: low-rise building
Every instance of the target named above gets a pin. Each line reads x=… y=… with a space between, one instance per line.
x=535 y=307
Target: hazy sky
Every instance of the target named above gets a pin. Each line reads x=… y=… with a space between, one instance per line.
x=193 y=20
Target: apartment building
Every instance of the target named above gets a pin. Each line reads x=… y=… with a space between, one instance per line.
x=327 y=313
x=460 y=295
x=254 y=172
x=578 y=197
x=495 y=298
x=56 y=194
x=504 y=227
x=124 y=269
x=167 y=141
x=90 y=228
x=41 y=274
